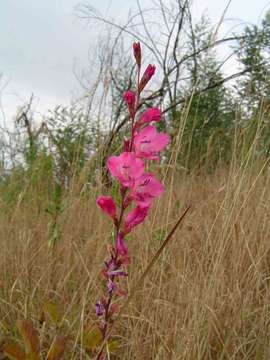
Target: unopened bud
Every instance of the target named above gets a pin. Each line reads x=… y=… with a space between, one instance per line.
x=149 y=72
x=137 y=53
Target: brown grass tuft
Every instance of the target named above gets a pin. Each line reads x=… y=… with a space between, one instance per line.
x=206 y=298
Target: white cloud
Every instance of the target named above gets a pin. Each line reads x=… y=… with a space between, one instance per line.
x=41 y=41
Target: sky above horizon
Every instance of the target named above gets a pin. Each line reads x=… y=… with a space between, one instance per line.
x=45 y=43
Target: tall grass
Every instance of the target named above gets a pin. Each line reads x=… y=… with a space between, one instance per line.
x=206 y=298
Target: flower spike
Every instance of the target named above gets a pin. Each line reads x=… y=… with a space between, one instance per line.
x=136 y=192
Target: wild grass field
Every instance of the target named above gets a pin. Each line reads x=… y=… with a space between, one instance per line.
x=207 y=296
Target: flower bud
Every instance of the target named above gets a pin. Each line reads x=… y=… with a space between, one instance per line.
x=121 y=246
x=130 y=99
x=152 y=114
x=137 y=53
x=135 y=217
x=107 y=204
x=149 y=72
x=126 y=145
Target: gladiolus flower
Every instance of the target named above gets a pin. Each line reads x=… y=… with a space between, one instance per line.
x=121 y=246
x=135 y=217
x=126 y=168
x=107 y=204
x=148 y=142
x=149 y=72
x=111 y=286
x=117 y=273
x=100 y=310
x=130 y=99
x=152 y=114
x=137 y=53
x=145 y=189
x=111 y=264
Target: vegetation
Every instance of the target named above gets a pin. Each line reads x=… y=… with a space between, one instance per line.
x=207 y=295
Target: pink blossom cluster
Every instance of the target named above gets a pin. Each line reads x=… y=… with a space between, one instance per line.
x=138 y=187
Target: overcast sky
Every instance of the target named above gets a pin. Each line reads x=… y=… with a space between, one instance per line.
x=41 y=42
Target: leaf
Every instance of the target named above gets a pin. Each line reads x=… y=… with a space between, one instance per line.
x=32 y=356
x=113 y=345
x=14 y=351
x=30 y=337
x=57 y=348
x=51 y=309
x=92 y=337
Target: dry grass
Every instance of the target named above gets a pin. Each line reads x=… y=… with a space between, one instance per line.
x=207 y=297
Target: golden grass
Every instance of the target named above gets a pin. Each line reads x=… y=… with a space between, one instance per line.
x=206 y=298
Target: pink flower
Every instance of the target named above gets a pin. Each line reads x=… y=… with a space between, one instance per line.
x=117 y=273
x=126 y=168
x=107 y=204
x=148 y=142
x=121 y=246
x=137 y=53
x=100 y=310
x=111 y=285
x=130 y=99
x=145 y=189
x=135 y=217
x=149 y=72
x=152 y=114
